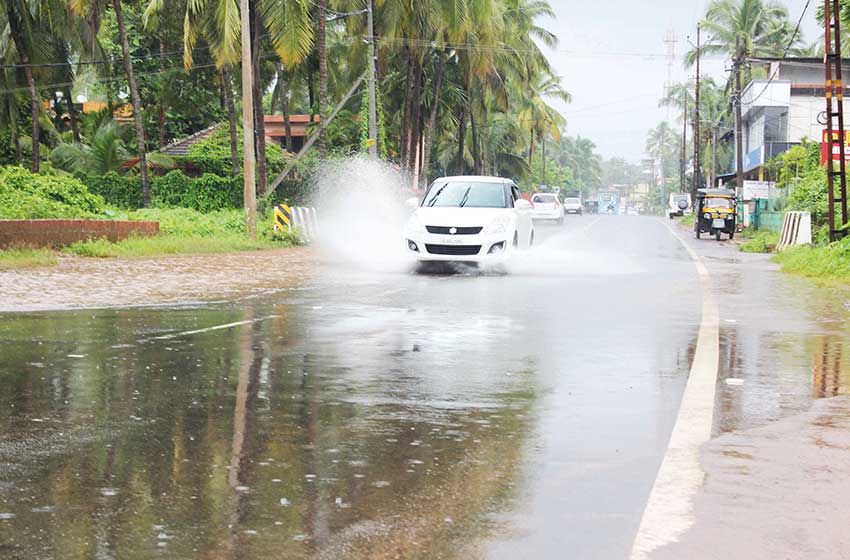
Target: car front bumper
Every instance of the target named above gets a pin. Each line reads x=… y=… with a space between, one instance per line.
x=477 y=248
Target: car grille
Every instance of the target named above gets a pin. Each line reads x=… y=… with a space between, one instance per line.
x=457 y=250
x=460 y=231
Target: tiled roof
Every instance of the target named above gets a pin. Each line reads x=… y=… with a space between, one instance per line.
x=181 y=147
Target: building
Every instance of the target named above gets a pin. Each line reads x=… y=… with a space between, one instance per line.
x=299 y=124
x=781 y=110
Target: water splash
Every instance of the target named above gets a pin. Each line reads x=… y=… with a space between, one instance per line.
x=361 y=209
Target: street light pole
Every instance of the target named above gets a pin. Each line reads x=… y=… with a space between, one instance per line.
x=249 y=194
x=373 y=110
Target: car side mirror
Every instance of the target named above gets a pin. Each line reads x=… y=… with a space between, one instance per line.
x=411 y=203
x=522 y=204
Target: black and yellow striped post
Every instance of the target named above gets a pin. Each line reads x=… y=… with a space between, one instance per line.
x=282 y=217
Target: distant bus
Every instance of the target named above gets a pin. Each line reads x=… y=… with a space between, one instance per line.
x=608 y=203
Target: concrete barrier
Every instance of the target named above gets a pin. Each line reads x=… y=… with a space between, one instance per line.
x=59 y=233
x=303 y=219
x=796 y=230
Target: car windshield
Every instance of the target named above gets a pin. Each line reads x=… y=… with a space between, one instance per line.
x=572 y=201
x=544 y=199
x=459 y=194
x=715 y=202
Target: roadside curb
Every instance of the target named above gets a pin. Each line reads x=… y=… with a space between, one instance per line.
x=670 y=510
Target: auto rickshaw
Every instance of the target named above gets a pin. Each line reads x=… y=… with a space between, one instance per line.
x=715 y=212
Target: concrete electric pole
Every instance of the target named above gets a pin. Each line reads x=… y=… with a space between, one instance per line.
x=373 y=110
x=697 y=182
x=250 y=195
x=737 y=62
x=837 y=190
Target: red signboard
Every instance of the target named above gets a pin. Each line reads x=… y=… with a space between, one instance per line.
x=836 y=154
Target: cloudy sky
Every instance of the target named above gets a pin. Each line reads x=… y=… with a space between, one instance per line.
x=611 y=58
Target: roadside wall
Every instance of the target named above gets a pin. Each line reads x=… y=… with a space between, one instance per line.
x=58 y=233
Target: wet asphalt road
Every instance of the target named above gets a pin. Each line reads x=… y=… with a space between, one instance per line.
x=377 y=415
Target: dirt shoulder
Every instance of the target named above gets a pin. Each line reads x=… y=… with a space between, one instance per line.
x=77 y=282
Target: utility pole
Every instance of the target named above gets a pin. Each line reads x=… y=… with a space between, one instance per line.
x=835 y=89
x=737 y=62
x=682 y=157
x=373 y=110
x=697 y=180
x=250 y=195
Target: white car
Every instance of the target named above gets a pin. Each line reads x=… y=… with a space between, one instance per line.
x=572 y=205
x=679 y=205
x=469 y=219
x=547 y=207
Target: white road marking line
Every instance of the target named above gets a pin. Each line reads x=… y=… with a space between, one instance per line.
x=669 y=510
x=215 y=328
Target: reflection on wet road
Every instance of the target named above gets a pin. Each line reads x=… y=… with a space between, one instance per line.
x=363 y=414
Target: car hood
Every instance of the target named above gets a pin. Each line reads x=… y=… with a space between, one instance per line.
x=460 y=217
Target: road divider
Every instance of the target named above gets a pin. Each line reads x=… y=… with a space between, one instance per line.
x=669 y=510
x=304 y=220
x=796 y=230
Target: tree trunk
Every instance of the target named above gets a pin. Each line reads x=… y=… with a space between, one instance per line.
x=476 y=157
x=137 y=103
x=432 y=119
x=484 y=137
x=323 y=79
x=231 y=117
x=404 y=138
x=161 y=106
x=257 y=94
x=16 y=137
x=415 y=128
x=284 y=107
x=35 y=101
x=461 y=139
x=72 y=112
x=311 y=93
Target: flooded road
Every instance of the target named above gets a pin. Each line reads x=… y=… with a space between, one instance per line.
x=358 y=414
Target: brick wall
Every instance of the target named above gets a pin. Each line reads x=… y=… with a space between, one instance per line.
x=58 y=233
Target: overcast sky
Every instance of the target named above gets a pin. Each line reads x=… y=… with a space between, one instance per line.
x=611 y=58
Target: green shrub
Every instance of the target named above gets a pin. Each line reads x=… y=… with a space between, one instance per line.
x=188 y=222
x=830 y=262
x=811 y=195
x=761 y=242
x=24 y=195
x=123 y=191
x=212 y=155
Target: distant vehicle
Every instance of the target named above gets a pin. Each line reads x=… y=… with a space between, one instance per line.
x=679 y=205
x=572 y=205
x=591 y=206
x=469 y=219
x=608 y=203
x=547 y=207
x=633 y=211
x=715 y=212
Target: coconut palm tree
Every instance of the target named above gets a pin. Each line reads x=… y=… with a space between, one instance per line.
x=92 y=11
x=756 y=27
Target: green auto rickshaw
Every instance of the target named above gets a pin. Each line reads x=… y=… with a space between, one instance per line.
x=715 y=212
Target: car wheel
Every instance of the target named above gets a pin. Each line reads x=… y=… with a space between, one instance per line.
x=732 y=234
x=717 y=235
x=697 y=232
x=516 y=240
x=531 y=241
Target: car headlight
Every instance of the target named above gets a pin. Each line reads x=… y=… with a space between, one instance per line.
x=414 y=225
x=707 y=215
x=499 y=225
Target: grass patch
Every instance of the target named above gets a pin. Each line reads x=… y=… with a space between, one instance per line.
x=136 y=247
x=830 y=262
x=759 y=241
x=688 y=220
x=17 y=259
